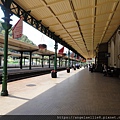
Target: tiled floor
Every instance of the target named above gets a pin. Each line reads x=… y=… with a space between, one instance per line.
x=22 y=91
x=78 y=93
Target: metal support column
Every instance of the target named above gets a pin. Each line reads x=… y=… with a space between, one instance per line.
x=59 y=61
x=36 y=61
x=42 y=60
x=30 y=61
x=65 y=62
x=54 y=72
x=68 y=58
x=75 y=59
x=49 y=61
x=6 y=25
x=0 y=60
x=55 y=60
x=24 y=61
x=21 y=60
x=39 y=61
x=68 y=67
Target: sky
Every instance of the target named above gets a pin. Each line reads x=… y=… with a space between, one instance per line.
x=33 y=34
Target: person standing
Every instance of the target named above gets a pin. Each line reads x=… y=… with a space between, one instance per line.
x=105 y=69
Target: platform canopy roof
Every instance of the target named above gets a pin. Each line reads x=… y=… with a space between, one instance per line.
x=82 y=24
x=22 y=46
x=18 y=45
x=14 y=54
x=17 y=54
x=44 y=52
x=25 y=47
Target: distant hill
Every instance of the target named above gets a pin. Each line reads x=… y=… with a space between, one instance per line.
x=24 y=38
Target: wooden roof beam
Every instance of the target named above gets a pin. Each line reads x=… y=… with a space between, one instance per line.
x=42 y=6
x=110 y=17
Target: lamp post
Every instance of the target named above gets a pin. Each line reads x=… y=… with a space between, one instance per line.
x=6 y=25
x=54 y=72
x=55 y=60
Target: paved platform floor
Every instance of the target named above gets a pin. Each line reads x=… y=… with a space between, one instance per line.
x=79 y=92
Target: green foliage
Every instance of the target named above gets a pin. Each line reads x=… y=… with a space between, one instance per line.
x=24 y=38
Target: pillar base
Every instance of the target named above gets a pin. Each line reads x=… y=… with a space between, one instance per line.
x=54 y=74
x=4 y=93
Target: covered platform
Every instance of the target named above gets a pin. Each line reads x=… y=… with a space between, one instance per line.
x=77 y=93
x=90 y=29
x=79 y=25
x=33 y=52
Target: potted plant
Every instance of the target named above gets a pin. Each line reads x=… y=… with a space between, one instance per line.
x=54 y=74
x=68 y=70
x=42 y=46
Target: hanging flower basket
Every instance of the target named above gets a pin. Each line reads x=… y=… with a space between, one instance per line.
x=42 y=46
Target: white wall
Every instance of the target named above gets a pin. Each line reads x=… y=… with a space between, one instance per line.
x=114 y=50
x=109 y=58
x=117 y=49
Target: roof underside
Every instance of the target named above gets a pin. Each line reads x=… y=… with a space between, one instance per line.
x=18 y=45
x=83 y=24
x=23 y=47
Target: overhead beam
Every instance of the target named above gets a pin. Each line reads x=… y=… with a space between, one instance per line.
x=100 y=4
x=54 y=15
x=78 y=24
x=94 y=20
x=42 y=6
x=110 y=17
